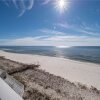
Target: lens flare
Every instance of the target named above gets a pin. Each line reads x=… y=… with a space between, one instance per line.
x=61 y=5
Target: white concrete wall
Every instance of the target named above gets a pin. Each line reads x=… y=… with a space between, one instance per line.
x=7 y=93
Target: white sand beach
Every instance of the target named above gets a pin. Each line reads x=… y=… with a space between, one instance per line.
x=75 y=71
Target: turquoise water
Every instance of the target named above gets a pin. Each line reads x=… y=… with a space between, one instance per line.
x=82 y=53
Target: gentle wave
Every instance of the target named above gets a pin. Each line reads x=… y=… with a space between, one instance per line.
x=82 y=53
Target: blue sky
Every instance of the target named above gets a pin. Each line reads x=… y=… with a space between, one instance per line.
x=40 y=22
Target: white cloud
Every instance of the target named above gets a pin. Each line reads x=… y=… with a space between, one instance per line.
x=21 y=5
x=6 y=2
x=45 y=2
x=51 y=32
x=65 y=25
x=89 y=32
x=52 y=41
x=15 y=3
x=89 y=27
x=24 y=5
x=30 y=6
x=82 y=29
x=65 y=38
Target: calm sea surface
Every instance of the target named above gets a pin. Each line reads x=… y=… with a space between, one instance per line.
x=86 y=53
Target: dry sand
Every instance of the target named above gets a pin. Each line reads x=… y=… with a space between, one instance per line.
x=75 y=71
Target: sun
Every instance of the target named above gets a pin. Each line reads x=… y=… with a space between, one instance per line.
x=61 y=5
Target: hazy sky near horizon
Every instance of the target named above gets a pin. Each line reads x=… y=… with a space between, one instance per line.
x=47 y=23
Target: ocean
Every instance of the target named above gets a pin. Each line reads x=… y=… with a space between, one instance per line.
x=80 y=53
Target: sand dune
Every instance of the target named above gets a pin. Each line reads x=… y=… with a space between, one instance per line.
x=75 y=71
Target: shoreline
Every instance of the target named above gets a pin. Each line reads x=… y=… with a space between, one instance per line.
x=64 y=58
x=74 y=71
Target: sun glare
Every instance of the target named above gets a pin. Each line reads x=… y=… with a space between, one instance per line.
x=62 y=46
x=61 y=5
